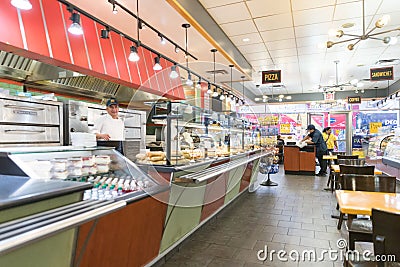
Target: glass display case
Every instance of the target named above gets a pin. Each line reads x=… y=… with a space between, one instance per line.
x=193 y=134
x=392 y=150
x=377 y=146
x=113 y=176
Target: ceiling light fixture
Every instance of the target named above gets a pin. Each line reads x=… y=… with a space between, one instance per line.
x=246 y=39
x=133 y=55
x=162 y=39
x=75 y=28
x=189 y=81
x=222 y=97
x=243 y=88
x=198 y=85
x=215 y=93
x=157 y=65
x=173 y=74
x=214 y=51
x=209 y=91
x=22 y=4
x=365 y=34
x=114 y=10
x=177 y=49
x=105 y=33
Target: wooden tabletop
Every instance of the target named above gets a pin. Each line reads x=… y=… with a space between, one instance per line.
x=362 y=202
x=336 y=168
x=329 y=157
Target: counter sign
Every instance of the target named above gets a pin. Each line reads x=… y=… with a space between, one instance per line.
x=380 y=74
x=354 y=99
x=271 y=76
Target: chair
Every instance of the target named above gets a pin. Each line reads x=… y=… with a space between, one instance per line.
x=351 y=169
x=361 y=229
x=342 y=159
x=386 y=238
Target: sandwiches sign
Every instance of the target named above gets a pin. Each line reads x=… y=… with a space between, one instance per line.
x=379 y=74
x=271 y=76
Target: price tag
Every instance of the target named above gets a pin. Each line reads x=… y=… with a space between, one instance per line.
x=285 y=128
x=374 y=126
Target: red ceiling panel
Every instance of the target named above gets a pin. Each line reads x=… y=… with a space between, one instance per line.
x=133 y=66
x=121 y=56
x=10 y=33
x=92 y=44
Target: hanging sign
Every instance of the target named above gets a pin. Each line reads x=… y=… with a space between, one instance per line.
x=271 y=76
x=374 y=126
x=285 y=128
x=379 y=74
x=329 y=96
x=354 y=99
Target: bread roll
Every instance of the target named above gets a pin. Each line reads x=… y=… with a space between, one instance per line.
x=141 y=156
x=155 y=153
x=157 y=158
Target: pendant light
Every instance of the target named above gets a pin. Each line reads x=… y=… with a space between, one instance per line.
x=75 y=28
x=22 y=4
x=157 y=65
x=173 y=74
x=189 y=81
x=215 y=93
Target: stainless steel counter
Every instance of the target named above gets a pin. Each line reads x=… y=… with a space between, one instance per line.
x=16 y=190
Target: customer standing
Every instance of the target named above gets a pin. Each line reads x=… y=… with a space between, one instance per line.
x=109 y=128
x=314 y=137
x=330 y=139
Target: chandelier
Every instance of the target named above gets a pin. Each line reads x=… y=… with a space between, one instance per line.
x=370 y=34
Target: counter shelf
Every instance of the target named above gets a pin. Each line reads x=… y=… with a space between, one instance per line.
x=21 y=232
x=208 y=173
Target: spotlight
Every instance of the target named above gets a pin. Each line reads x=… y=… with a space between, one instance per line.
x=173 y=74
x=157 y=65
x=104 y=34
x=114 y=10
x=362 y=91
x=209 y=91
x=189 y=81
x=222 y=97
x=133 y=56
x=215 y=93
x=22 y=4
x=177 y=49
x=198 y=85
x=356 y=91
x=162 y=39
x=142 y=25
x=75 y=28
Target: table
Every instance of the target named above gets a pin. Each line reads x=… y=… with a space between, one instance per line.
x=361 y=202
x=336 y=169
x=329 y=157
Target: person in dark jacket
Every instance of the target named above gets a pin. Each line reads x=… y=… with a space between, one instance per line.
x=314 y=137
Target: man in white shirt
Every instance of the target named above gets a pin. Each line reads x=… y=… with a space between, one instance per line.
x=109 y=128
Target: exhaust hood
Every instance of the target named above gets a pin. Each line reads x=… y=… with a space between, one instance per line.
x=55 y=79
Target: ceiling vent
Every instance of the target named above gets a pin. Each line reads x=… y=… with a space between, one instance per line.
x=217 y=72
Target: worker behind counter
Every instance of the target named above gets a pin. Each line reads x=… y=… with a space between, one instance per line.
x=109 y=128
x=314 y=137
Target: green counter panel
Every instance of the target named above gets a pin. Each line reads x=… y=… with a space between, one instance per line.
x=233 y=185
x=50 y=252
x=36 y=207
x=183 y=213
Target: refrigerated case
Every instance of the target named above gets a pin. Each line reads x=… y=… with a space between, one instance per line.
x=30 y=122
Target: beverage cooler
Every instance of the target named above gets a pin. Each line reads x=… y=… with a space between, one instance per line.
x=81 y=117
x=30 y=122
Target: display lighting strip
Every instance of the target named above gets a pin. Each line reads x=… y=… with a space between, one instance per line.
x=77 y=29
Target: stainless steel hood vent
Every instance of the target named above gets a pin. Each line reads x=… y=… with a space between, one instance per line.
x=15 y=67
x=88 y=83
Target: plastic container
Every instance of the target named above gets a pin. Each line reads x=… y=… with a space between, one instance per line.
x=59 y=165
x=102 y=159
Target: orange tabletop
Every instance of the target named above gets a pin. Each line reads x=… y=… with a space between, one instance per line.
x=362 y=202
x=329 y=157
x=336 y=168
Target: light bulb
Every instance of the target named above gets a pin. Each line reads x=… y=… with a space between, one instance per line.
x=157 y=65
x=173 y=74
x=75 y=28
x=382 y=21
x=133 y=56
x=215 y=94
x=222 y=97
x=22 y=4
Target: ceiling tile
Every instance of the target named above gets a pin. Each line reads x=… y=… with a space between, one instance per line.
x=257 y=56
x=313 y=41
x=230 y=13
x=307 y=4
x=215 y=3
x=239 y=27
x=313 y=30
x=274 y=22
x=262 y=8
x=388 y=6
x=309 y=50
x=265 y=62
x=253 y=48
x=284 y=60
x=253 y=39
x=275 y=35
x=283 y=53
x=281 y=44
x=311 y=16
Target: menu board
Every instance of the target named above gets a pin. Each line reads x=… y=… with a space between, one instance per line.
x=285 y=128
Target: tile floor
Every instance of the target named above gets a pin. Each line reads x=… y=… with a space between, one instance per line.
x=294 y=216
